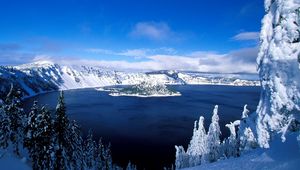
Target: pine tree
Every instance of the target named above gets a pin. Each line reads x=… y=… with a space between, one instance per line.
x=16 y=116
x=31 y=130
x=198 y=144
x=213 y=138
x=278 y=66
x=75 y=147
x=4 y=128
x=100 y=160
x=44 y=143
x=108 y=157
x=181 y=160
x=231 y=143
x=131 y=166
x=61 y=124
x=246 y=138
x=90 y=151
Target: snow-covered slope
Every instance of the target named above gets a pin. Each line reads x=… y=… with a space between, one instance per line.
x=45 y=76
x=280 y=156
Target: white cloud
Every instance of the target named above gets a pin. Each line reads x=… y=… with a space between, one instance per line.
x=152 y=30
x=242 y=60
x=246 y=36
x=136 y=53
x=42 y=57
x=100 y=51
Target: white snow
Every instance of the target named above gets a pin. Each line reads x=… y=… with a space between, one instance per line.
x=145 y=89
x=280 y=156
x=144 y=96
x=278 y=68
x=42 y=76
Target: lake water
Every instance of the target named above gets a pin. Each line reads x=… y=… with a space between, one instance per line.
x=145 y=130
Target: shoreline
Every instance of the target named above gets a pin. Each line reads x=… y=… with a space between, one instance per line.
x=143 y=96
x=100 y=88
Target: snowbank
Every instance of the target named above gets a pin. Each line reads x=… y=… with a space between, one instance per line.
x=280 y=156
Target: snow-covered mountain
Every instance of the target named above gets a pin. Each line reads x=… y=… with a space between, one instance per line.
x=46 y=76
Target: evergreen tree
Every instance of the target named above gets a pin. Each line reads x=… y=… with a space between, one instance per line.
x=30 y=140
x=16 y=116
x=61 y=124
x=231 y=144
x=278 y=66
x=100 y=160
x=198 y=144
x=246 y=138
x=75 y=151
x=108 y=157
x=44 y=143
x=131 y=166
x=181 y=160
x=90 y=151
x=213 y=138
x=4 y=128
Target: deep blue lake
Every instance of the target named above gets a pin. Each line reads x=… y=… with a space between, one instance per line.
x=145 y=130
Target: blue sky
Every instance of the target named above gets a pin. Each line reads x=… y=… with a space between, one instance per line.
x=123 y=34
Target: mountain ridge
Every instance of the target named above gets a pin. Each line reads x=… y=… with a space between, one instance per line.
x=43 y=76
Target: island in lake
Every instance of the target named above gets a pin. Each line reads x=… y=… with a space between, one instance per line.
x=143 y=89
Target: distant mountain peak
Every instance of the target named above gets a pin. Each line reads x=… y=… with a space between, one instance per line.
x=41 y=63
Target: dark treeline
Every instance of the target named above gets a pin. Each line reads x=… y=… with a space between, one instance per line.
x=50 y=140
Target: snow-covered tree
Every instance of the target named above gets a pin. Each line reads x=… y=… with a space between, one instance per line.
x=108 y=157
x=246 y=137
x=231 y=143
x=4 y=128
x=44 y=142
x=213 y=138
x=198 y=144
x=61 y=124
x=245 y=112
x=131 y=166
x=30 y=140
x=278 y=63
x=182 y=160
x=16 y=115
x=38 y=137
x=100 y=159
x=75 y=152
x=90 y=151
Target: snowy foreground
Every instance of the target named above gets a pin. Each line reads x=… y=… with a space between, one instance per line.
x=281 y=155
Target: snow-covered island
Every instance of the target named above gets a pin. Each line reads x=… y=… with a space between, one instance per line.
x=143 y=89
